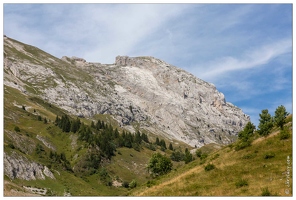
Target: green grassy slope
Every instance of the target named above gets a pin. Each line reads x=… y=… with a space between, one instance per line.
x=262 y=168
x=21 y=110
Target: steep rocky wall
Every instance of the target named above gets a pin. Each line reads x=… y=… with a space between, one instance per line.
x=18 y=166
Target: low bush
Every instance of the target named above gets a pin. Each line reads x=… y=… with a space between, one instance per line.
x=209 y=167
x=242 y=145
x=249 y=156
x=150 y=183
x=241 y=182
x=17 y=129
x=133 y=184
x=269 y=155
x=265 y=192
x=284 y=134
x=125 y=184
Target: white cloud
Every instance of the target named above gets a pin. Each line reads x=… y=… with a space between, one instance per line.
x=249 y=59
x=97 y=32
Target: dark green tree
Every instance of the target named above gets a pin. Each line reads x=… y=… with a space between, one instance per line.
x=247 y=133
x=159 y=164
x=162 y=144
x=145 y=137
x=157 y=141
x=17 y=129
x=171 y=147
x=177 y=156
x=138 y=138
x=188 y=156
x=265 y=123
x=92 y=124
x=75 y=125
x=280 y=116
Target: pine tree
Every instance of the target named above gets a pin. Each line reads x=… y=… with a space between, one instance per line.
x=138 y=138
x=247 y=132
x=188 y=156
x=280 y=116
x=157 y=141
x=171 y=147
x=265 y=123
x=92 y=124
x=162 y=144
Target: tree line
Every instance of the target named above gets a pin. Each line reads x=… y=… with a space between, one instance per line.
x=266 y=123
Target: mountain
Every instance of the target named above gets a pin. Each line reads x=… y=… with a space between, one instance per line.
x=75 y=128
x=138 y=92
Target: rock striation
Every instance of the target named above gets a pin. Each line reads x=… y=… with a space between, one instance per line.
x=142 y=92
x=17 y=166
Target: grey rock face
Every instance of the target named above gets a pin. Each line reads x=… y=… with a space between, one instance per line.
x=155 y=95
x=17 y=166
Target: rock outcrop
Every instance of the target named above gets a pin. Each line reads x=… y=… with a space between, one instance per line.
x=17 y=166
x=142 y=91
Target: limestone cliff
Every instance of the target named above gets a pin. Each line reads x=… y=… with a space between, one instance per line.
x=145 y=91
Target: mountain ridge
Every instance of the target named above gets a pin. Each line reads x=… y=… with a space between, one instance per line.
x=146 y=91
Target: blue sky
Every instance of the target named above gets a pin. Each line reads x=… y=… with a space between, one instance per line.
x=244 y=49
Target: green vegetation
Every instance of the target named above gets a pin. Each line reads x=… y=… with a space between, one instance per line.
x=265 y=123
x=209 y=167
x=241 y=183
x=159 y=164
x=280 y=116
x=80 y=154
x=259 y=169
x=284 y=134
x=245 y=137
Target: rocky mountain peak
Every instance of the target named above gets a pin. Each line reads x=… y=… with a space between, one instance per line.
x=158 y=97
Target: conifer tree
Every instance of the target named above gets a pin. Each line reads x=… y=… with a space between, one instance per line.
x=265 y=123
x=280 y=116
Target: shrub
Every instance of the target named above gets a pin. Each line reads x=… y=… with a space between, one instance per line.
x=249 y=156
x=198 y=153
x=133 y=184
x=17 y=129
x=104 y=177
x=269 y=155
x=159 y=164
x=242 y=144
x=284 y=134
x=241 y=182
x=209 y=167
x=265 y=192
x=177 y=156
x=150 y=183
x=203 y=156
x=125 y=184
x=136 y=146
x=11 y=146
x=215 y=156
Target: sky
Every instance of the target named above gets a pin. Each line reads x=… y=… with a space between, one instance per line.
x=245 y=50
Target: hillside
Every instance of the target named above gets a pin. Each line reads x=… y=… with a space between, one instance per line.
x=74 y=128
x=264 y=168
x=28 y=164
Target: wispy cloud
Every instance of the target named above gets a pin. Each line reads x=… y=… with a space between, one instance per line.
x=249 y=59
x=97 y=32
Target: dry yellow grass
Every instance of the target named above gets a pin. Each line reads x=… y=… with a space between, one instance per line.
x=249 y=164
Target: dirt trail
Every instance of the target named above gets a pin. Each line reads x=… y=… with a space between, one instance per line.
x=13 y=190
